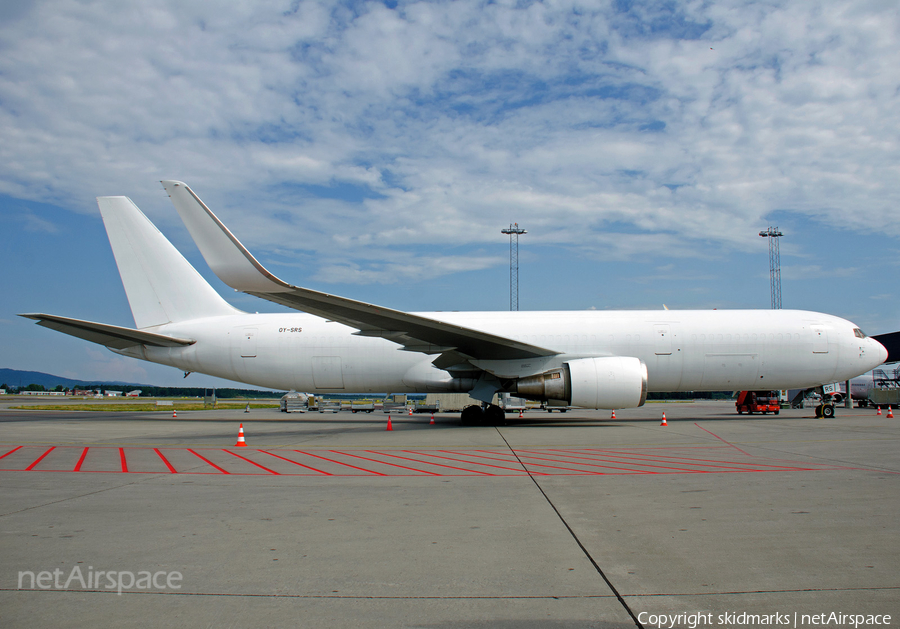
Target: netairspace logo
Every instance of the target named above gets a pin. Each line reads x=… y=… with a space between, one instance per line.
x=795 y=620
x=119 y=580
x=832 y=619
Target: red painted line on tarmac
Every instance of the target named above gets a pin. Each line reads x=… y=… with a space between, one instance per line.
x=208 y=461
x=643 y=461
x=674 y=459
x=40 y=458
x=11 y=451
x=124 y=463
x=572 y=456
x=81 y=460
x=524 y=454
x=324 y=458
x=452 y=467
x=295 y=462
x=730 y=465
x=262 y=467
x=521 y=470
x=365 y=458
x=556 y=467
x=165 y=460
x=719 y=438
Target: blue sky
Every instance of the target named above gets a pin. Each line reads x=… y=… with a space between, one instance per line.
x=376 y=150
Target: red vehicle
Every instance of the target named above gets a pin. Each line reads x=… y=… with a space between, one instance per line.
x=758 y=402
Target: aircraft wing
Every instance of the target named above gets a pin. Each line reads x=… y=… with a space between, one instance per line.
x=237 y=267
x=111 y=336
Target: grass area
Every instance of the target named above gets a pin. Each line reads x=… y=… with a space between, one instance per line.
x=135 y=408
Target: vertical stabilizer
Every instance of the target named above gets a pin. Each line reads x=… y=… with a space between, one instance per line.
x=161 y=286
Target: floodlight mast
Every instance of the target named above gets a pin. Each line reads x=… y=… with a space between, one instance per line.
x=774 y=264
x=514 y=231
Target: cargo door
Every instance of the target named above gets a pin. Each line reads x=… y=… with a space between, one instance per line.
x=327 y=372
x=664 y=366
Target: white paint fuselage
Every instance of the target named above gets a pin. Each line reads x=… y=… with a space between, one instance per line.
x=685 y=350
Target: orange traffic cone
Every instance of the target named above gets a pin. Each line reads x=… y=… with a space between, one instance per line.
x=410 y=411
x=432 y=420
x=890 y=414
x=240 y=442
x=879 y=411
x=175 y=415
x=389 y=426
x=663 y=422
x=613 y=414
x=521 y=415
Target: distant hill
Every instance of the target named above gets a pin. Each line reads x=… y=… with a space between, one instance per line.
x=18 y=378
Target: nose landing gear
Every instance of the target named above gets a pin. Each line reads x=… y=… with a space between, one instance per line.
x=825 y=411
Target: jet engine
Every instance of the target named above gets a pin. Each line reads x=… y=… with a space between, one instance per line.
x=608 y=382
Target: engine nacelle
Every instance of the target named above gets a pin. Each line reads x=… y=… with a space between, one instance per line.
x=609 y=382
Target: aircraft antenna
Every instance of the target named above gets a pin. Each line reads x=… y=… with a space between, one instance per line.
x=513 y=231
x=774 y=264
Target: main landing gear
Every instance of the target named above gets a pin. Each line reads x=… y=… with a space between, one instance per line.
x=486 y=415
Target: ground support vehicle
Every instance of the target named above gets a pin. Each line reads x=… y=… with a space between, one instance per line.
x=758 y=402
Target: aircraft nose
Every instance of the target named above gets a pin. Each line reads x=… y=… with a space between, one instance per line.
x=879 y=351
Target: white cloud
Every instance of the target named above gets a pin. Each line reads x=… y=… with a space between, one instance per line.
x=345 y=132
x=815 y=271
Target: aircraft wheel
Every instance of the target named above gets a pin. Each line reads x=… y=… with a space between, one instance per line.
x=494 y=416
x=819 y=411
x=776 y=412
x=472 y=415
x=828 y=411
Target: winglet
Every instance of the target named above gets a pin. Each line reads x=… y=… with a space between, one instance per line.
x=224 y=253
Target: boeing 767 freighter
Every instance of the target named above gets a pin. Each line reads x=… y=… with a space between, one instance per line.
x=590 y=359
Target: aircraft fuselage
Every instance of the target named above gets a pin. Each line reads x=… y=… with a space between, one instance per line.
x=689 y=350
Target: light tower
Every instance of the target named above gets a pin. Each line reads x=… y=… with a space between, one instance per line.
x=774 y=264
x=513 y=231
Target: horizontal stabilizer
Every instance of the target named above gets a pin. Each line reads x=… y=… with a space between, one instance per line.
x=111 y=336
x=237 y=267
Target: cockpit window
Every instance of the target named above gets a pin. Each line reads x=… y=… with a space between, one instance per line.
x=859 y=333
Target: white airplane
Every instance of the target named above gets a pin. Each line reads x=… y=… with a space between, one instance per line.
x=589 y=359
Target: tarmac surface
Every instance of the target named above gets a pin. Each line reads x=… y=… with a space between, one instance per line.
x=329 y=520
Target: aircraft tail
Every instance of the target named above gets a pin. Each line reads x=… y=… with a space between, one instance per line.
x=162 y=287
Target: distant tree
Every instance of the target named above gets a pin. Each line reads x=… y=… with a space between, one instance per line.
x=4 y=386
x=59 y=387
x=35 y=387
